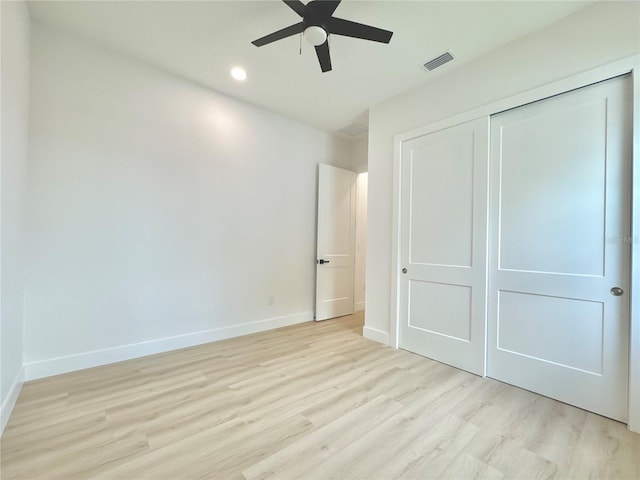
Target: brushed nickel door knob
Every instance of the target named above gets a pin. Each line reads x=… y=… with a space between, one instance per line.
x=616 y=291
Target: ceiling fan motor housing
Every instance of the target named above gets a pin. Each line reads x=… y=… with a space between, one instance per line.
x=317 y=16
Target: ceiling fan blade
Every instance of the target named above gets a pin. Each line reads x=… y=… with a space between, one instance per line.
x=297 y=6
x=326 y=7
x=279 y=35
x=323 y=56
x=347 y=28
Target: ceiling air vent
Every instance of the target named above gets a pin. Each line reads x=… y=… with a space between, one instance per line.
x=438 y=61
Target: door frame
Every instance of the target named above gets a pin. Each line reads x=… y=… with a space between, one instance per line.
x=629 y=65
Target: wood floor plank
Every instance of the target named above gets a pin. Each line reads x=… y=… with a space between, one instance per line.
x=300 y=459
x=555 y=431
x=467 y=466
x=505 y=454
x=605 y=449
x=311 y=401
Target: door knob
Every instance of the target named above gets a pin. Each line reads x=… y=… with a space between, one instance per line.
x=322 y=261
x=404 y=270
x=616 y=291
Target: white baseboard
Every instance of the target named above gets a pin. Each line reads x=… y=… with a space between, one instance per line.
x=375 y=335
x=10 y=401
x=57 y=366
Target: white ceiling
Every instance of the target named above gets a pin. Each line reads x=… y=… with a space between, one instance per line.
x=202 y=40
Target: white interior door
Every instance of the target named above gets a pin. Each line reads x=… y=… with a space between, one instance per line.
x=560 y=241
x=443 y=235
x=336 y=242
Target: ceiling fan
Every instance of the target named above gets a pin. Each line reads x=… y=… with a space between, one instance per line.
x=318 y=23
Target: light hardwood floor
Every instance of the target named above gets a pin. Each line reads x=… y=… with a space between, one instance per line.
x=312 y=401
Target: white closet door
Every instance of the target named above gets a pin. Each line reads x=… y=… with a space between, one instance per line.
x=443 y=229
x=560 y=242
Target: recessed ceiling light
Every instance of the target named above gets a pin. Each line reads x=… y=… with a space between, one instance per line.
x=238 y=73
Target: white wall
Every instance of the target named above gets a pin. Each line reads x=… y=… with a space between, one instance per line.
x=361 y=242
x=360 y=153
x=14 y=140
x=359 y=160
x=599 y=34
x=159 y=210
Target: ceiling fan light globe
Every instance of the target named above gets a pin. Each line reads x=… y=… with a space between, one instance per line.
x=315 y=35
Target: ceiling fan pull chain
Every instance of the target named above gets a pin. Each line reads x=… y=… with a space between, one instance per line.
x=300 y=43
